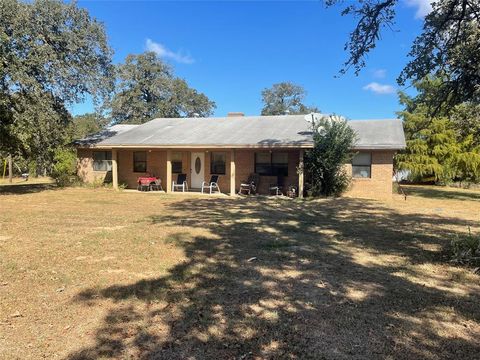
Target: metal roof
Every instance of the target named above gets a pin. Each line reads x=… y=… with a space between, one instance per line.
x=109 y=132
x=250 y=131
x=379 y=134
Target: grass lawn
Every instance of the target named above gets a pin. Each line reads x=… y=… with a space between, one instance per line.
x=90 y=274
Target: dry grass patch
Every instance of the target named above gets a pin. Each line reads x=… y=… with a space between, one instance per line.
x=99 y=274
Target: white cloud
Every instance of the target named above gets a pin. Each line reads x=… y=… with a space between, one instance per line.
x=379 y=73
x=379 y=88
x=163 y=52
x=423 y=7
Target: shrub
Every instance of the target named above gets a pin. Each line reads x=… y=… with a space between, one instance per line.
x=64 y=167
x=122 y=185
x=466 y=248
x=324 y=165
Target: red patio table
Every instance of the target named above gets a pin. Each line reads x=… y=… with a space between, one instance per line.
x=146 y=181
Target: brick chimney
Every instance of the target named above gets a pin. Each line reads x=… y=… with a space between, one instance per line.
x=235 y=114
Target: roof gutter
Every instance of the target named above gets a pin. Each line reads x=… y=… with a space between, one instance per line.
x=269 y=146
x=206 y=146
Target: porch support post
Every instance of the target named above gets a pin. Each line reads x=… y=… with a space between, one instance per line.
x=232 y=172
x=115 y=168
x=168 y=187
x=300 y=175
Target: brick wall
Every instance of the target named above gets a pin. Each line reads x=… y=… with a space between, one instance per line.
x=379 y=186
x=85 y=168
x=156 y=166
x=245 y=165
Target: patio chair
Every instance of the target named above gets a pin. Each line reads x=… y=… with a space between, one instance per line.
x=250 y=186
x=292 y=191
x=157 y=185
x=181 y=183
x=276 y=189
x=211 y=185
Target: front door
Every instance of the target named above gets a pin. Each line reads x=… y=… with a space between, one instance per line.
x=197 y=170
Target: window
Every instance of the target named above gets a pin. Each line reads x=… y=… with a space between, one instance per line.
x=272 y=164
x=217 y=163
x=362 y=165
x=140 y=161
x=177 y=162
x=280 y=164
x=262 y=163
x=102 y=160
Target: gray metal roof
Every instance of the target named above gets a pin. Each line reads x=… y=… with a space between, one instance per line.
x=250 y=131
x=109 y=132
x=379 y=134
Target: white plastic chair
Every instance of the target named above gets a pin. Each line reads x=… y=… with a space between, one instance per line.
x=211 y=185
x=181 y=183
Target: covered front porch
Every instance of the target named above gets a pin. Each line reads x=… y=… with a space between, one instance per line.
x=232 y=166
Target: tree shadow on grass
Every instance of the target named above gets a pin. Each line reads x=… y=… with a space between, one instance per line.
x=429 y=192
x=291 y=279
x=25 y=188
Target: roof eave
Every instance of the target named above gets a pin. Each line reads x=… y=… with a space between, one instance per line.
x=202 y=146
x=216 y=146
x=379 y=147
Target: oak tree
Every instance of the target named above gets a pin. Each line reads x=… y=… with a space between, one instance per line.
x=147 y=88
x=448 y=46
x=52 y=55
x=285 y=98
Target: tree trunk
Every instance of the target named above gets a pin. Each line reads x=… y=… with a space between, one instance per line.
x=10 y=168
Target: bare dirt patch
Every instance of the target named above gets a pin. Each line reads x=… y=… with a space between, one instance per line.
x=99 y=274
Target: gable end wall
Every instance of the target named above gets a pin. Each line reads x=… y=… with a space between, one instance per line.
x=380 y=185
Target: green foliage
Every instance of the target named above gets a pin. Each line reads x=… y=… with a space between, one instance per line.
x=427 y=99
x=466 y=248
x=447 y=47
x=373 y=17
x=285 y=98
x=466 y=118
x=87 y=124
x=432 y=147
x=65 y=166
x=437 y=145
x=53 y=55
x=32 y=169
x=147 y=88
x=122 y=185
x=325 y=163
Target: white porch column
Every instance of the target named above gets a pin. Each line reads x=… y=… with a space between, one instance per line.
x=115 y=168
x=168 y=187
x=232 y=173
x=300 y=175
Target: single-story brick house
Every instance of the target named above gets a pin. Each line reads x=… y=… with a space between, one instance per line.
x=233 y=147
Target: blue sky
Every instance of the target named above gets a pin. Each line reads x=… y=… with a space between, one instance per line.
x=232 y=50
